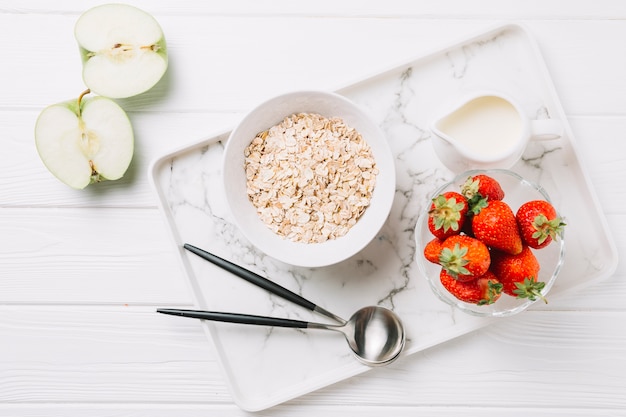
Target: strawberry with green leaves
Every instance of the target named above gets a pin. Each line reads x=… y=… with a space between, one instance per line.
x=495 y=225
x=479 y=190
x=464 y=257
x=447 y=214
x=483 y=290
x=518 y=274
x=539 y=223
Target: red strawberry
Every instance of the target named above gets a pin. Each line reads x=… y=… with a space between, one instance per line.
x=479 y=190
x=447 y=214
x=432 y=250
x=464 y=257
x=496 y=226
x=483 y=290
x=539 y=223
x=518 y=273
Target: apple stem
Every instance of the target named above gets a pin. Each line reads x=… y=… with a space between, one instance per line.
x=83 y=94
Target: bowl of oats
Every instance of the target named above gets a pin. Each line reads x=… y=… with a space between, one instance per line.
x=309 y=178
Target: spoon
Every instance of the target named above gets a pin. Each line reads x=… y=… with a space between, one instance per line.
x=375 y=334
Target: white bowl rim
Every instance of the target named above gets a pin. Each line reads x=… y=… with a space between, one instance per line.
x=244 y=213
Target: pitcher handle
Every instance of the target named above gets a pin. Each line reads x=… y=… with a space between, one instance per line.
x=546 y=129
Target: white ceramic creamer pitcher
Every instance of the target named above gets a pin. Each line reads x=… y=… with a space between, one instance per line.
x=487 y=129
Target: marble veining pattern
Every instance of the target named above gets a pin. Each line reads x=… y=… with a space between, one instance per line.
x=267 y=365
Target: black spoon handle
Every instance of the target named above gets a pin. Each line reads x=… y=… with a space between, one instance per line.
x=252 y=277
x=235 y=318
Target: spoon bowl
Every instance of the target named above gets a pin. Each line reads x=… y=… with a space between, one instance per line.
x=376 y=335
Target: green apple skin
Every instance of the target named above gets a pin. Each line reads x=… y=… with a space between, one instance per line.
x=122 y=48
x=85 y=141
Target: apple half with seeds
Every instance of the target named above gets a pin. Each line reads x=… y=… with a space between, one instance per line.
x=122 y=48
x=86 y=140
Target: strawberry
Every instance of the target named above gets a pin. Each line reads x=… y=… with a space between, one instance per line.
x=518 y=273
x=496 y=226
x=484 y=290
x=464 y=257
x=539 y=223
x=432 y=250
x=479 y=190
x=447 y=214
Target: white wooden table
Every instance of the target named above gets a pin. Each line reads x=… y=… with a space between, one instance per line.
x=81 y=272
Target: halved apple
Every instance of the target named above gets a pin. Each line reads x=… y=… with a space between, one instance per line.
x=85 y=140
x=123 y=50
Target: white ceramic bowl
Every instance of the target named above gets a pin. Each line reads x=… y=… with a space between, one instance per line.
x=517 y=191
x=273 y=112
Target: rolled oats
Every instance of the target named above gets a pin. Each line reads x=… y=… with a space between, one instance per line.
x=310 y=178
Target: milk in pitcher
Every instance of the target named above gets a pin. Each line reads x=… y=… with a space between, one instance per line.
x=487 y=126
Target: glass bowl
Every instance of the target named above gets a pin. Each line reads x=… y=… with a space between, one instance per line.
x=517 y=191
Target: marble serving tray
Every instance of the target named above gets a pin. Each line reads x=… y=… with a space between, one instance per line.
x=267 y=366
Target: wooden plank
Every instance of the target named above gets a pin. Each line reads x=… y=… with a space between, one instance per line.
x=227 y=72
x=600 y=145
x=537 y=9
x=88 y=256
x=130 y=355
x=102 y=354
x=194 y=410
